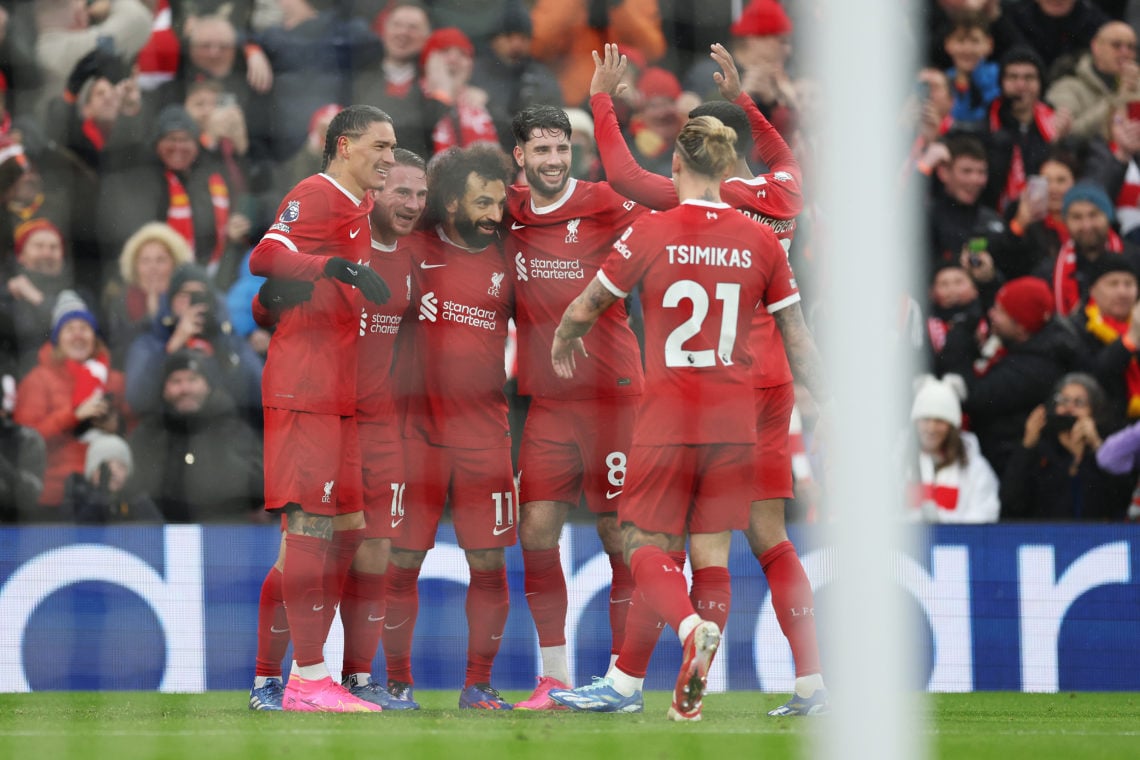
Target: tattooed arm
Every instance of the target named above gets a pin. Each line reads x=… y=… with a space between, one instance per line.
x=802 y=353
x=577 y=320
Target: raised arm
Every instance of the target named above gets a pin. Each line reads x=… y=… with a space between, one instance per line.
x=622 y=171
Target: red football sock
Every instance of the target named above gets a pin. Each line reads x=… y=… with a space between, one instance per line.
x=302 y=587
x=662 y=583
x=545 y=587
x=712 y=594
x=272 y=626
x=643 y=628
x=337 y=561
x=487 y=607
x=402 y=607
x=621 y=594
x=362 y=612
x=794 y=603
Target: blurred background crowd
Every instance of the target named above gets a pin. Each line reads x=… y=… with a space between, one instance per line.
x=146 y=144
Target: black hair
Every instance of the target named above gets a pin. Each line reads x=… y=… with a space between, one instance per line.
x=352 y=122
x=546 y=118
x=448 y=172
x=731 y=115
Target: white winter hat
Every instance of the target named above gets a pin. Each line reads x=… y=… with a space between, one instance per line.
x=936 y=399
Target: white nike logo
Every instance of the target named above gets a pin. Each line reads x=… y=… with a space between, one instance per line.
x=396 y=523
x=496 y=638
x=397 y=625
x=354 y=233
x=620 y=601
x=614 y=494
x=274 y=629
x=517 y=226
x=317 y=608
x=531 y=593
x=425 y=265
x=374 y=619
x=501 y=531
x=351 y=271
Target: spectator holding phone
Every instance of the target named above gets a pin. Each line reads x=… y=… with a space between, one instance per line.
x=1054 y=474
x=1038 y=229
x=192 y=317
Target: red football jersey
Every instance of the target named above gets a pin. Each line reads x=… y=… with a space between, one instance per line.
x=311 y=365
x=703 y=269
x=773 y=199
x=554 y=252
x=463 y=299
x=378 y=327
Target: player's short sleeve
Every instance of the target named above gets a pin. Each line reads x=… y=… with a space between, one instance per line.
x=626 y=263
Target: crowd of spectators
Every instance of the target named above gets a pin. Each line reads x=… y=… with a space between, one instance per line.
x=145 y=145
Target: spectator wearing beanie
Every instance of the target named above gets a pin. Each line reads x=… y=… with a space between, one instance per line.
x=196 y=457
x=102 y=493
x=1053 y=473
x=1014 y=368
x=1109 y=334
x=177 y=183
x=69 y=394
x=656 y=121
x=1089 y=215
x=512 y=78
x=448 y=61
x=41 y=274
x=192 y=316
x=951 y=482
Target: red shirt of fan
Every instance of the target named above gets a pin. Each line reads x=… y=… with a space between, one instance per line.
x=462 y=299
x=554 y=252
x=377 y=328
x=311 y=364
x=703 y=268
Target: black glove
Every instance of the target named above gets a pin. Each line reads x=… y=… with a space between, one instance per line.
x=281 y=294
x=369 y=283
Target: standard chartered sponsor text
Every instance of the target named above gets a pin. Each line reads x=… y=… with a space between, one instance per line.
x=556 y=269
x=386 y=324
x=469 y=315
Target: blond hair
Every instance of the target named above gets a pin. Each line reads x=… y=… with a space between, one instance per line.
x=157 y=231
x=707 y=146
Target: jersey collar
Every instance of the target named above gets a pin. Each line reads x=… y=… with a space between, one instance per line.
x=571 y=184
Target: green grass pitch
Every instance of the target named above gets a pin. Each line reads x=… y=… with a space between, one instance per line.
x=217 y=726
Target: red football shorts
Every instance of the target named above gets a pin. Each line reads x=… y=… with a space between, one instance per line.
x=702 y=488
x=577 y=448
x=773 y=448
x=478 y=483
x=312 y=460
x=382 y=452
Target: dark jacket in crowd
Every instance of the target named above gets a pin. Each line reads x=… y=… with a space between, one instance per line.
x=1039 y=484
x=23 y=458
x=201 y=467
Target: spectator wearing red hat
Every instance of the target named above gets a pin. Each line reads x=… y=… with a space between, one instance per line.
x=448 y=60
x=566 y=32
x=71 y=391
x=656 y=121
x=394 y=85
x=761 y=44
x=1014 y=369
x=40 y=275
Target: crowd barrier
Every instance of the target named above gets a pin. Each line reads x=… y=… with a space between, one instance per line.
x=1039 y=608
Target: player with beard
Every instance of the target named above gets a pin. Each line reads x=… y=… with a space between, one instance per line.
x=772 y=199
x=309 y=392
x=576 y=439
x=457 y=441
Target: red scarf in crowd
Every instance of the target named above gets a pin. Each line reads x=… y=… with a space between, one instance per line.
x=1066 y=292
x=937 y=486
x=89 y=376
x=1107 y=329
x=1015 y=179
x=179 y=214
